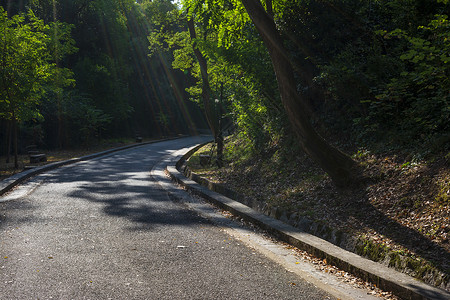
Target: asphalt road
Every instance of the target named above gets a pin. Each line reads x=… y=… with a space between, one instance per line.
x=104 y=229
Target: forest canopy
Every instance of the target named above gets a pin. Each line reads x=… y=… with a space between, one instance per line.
x=370 y=73
x=88 y=75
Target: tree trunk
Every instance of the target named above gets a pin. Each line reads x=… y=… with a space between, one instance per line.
x=61 y=139
x=219 y=139
x=220 y=144
x=206 y=89
x=211 y=116
x=340 y=167
x=16 y=158
x=8 y=140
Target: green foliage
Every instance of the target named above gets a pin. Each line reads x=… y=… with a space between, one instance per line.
x=374 y=251
x=415 y=104
x=378 y=69
x=93 y=121
x=102 y=68
x=420 y=93
x=226 y=18
x=165 y=23
x=238 y=149
x=111 y=68
x=164 y=121
x=443 y=196
x=383 y=74
x=81 y=114
x=102 y=81
x=239 y=69
x=30 y=50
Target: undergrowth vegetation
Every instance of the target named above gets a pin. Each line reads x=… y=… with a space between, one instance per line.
x=375 y=73
x=380 y=93
x=399 y=216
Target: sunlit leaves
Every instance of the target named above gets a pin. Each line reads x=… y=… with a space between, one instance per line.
x=419 y=96
x=226 y=18
x=239 y=69
x=28 y=62
x=183 y=60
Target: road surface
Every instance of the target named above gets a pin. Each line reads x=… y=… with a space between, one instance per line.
x=105 y=229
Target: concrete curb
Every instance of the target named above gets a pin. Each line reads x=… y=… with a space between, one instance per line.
x=10 y=182
x=385 y=278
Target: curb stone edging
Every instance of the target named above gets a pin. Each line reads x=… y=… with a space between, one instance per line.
x=319 y=229
x=383 y=277
x=9 y=183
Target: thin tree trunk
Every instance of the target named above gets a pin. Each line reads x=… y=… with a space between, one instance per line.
x=211 y=116
x=60 y=126
x=339 y=166
x=206 y=89
x=219 y=139
x=16 y=158
x=8 y=140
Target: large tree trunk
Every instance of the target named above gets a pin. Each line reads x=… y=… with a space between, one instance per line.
x=340 y=167
x=209 y=106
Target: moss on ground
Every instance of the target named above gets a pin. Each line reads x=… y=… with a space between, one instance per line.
x=374 y=251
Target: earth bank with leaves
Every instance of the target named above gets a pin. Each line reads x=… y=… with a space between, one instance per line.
x=398 y=217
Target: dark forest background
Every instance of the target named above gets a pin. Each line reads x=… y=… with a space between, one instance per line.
x=374 y=73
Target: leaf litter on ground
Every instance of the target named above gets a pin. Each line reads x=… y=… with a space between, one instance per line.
x=402 y=207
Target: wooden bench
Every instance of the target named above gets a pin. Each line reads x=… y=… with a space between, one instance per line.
x=31 y=148
x=35 y=155
x=138 y=136
x=36 y=158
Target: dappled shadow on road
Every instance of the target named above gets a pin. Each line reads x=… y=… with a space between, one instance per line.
x=15 y=213
x=144 y=206
x=121 y=184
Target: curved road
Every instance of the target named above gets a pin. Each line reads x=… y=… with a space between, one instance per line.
x=104 y=229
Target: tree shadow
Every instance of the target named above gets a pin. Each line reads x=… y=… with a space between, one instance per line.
x=121 y=183
x=13 y=213
x=372 y=218
x=341 y=206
